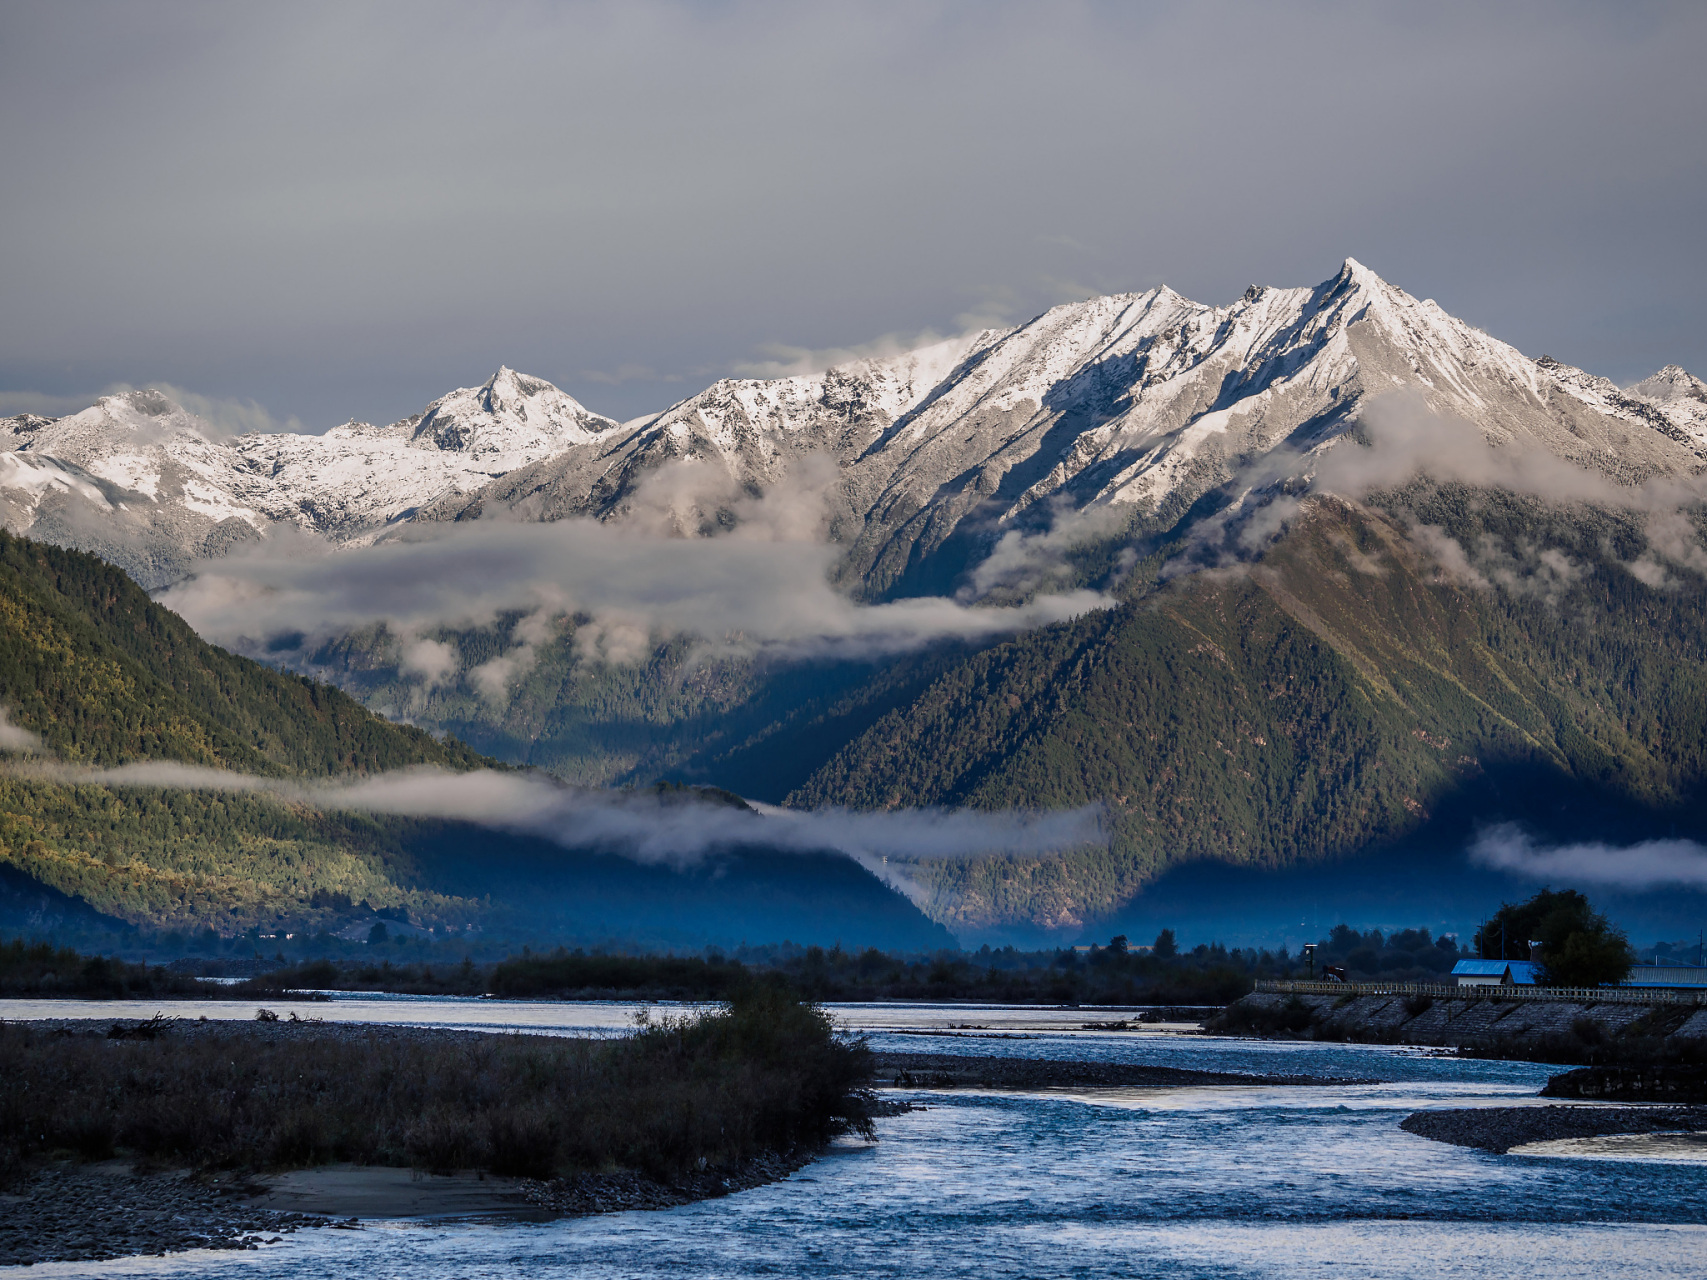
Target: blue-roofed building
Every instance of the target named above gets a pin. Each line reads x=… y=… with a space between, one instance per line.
x=1495 y=973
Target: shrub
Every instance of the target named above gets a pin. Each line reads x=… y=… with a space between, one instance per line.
x=763 y=1072
x=1290 y=1017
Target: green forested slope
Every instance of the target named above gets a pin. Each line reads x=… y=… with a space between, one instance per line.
x=1335 y=695
x=103 y=676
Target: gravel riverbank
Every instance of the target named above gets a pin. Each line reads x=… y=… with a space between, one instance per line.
x=953 y=1071
x=74 y=1213
x=1499 y=1129
x=61 y=1210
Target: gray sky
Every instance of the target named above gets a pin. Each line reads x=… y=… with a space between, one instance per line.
x=347 y=209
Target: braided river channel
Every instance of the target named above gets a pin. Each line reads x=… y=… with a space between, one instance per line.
x=1226 y=1181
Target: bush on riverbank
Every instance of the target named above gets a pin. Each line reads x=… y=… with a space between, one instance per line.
x=761 y=1074
x=39 y=969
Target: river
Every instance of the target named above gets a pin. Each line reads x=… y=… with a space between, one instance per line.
x=1195 y=1182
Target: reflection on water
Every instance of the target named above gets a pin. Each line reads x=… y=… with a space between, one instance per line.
x=1228 y=1181
x=1666 y=1148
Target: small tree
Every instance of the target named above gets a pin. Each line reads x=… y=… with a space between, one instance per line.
x=1166 y=948
x=1579 y=946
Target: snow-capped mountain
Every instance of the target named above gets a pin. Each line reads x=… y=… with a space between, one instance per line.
x=141 y=482
x=1134 y=403
x=359 y=477
x=1681 y=395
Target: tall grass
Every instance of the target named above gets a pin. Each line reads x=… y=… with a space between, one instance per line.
x=763 y=1072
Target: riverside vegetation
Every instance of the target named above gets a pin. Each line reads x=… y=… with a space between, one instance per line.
x=1113 y=974
x=764 y=1073
x=1107 y=976
x=42 y=969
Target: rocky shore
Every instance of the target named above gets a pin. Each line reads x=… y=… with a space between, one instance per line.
x=1499 y=1129
x=589 y=1193
x=76 y=1213
x=1656 y=1083
x=80 y=1214
x=954 y=1071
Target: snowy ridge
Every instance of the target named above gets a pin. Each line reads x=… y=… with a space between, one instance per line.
x=359 y=477
x=1680 y=395
x=139 y=480
x=1136 y=404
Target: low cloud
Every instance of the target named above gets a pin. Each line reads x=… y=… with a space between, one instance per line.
x=494 y=677
x=1403 y=440
x=1649 y=864
x=1026 y=561
x=433 y=662
x=15 y=738
x=676 y=829
x=220 y=417
x=1407 y=439
x=760 y=586
x=781 y=360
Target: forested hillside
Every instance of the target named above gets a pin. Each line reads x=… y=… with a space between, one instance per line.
x=105 y=676
x=678 y=712
x=1384 y=671
x=1339 y=693
x=100 y=675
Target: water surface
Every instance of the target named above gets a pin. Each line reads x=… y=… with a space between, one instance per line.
x=1216 y=1182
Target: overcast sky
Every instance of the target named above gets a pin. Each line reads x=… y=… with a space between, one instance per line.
x=347 y=209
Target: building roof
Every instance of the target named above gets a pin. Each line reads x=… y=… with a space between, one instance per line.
x=1523 y=972
x=1666 y=975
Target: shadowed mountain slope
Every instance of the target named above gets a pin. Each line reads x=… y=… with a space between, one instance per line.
x=1337 y=694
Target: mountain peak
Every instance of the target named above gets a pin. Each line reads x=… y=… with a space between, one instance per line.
x=124 y=420
x=1672 y=383
x=1354 y=272
x=146 y=401
x=510 y=413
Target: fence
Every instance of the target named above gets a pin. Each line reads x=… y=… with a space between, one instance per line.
x=1588 y=995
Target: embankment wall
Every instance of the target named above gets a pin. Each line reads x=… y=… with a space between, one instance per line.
x=1564 y=1030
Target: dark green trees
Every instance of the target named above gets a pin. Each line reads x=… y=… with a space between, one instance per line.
x=1579 y=947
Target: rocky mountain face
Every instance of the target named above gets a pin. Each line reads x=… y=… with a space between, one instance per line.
x=1445 y=579
x=1130 y=406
